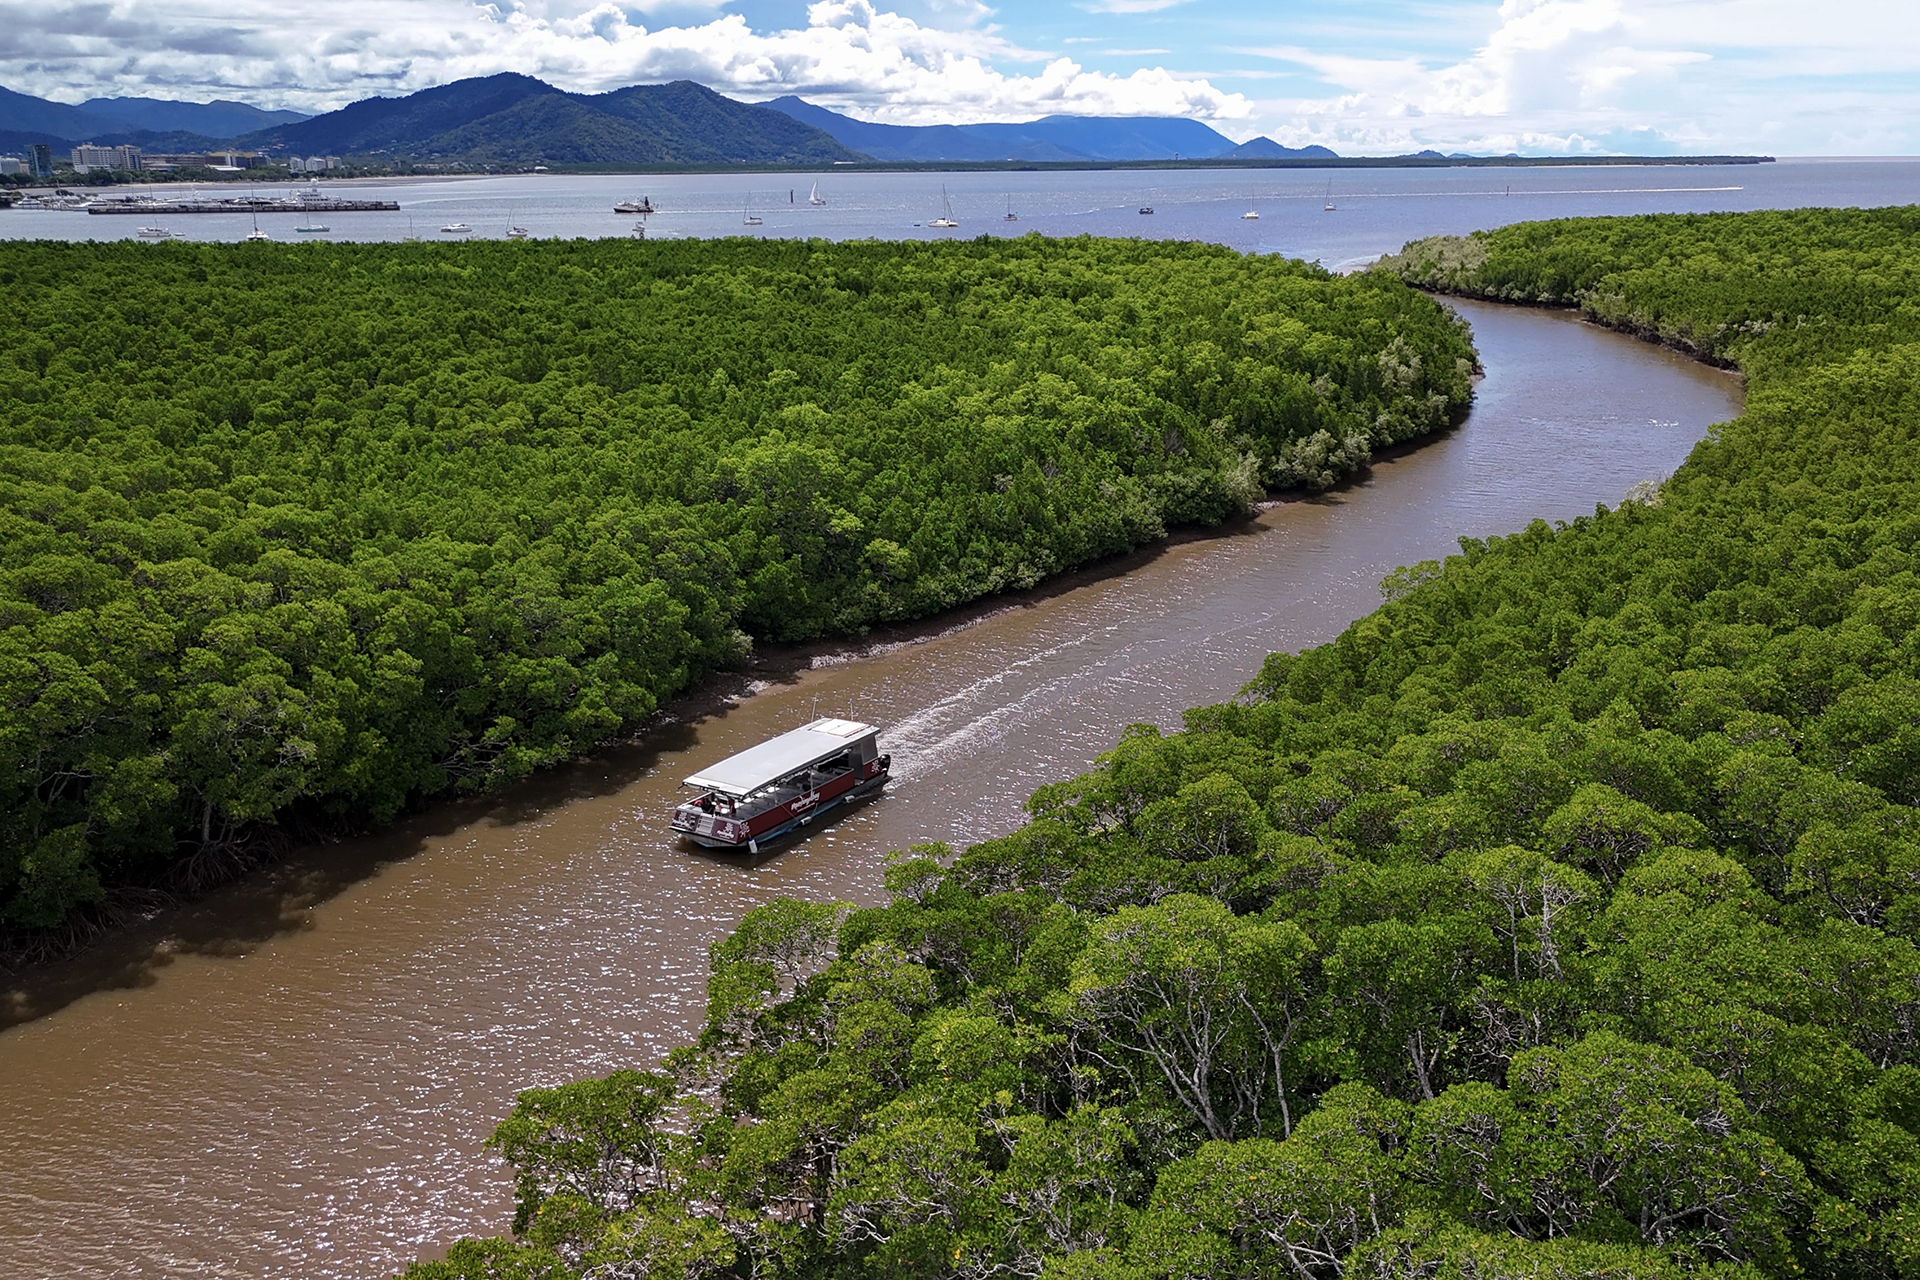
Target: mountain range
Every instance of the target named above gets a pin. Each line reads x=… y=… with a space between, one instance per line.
x=97 y=118
x=517 y=120
x=1051 y=138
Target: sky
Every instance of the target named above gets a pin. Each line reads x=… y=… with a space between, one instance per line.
x=1546 y=77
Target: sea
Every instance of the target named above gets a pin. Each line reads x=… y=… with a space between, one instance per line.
x=1373 y=211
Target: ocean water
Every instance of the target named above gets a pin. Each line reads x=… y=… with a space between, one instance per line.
x=1376 y=210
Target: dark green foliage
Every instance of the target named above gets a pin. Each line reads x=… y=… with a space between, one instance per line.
x=1558 y=920
x=327 y=528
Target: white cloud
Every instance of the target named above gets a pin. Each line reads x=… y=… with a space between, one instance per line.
x=1586 y=76
x=849 y=55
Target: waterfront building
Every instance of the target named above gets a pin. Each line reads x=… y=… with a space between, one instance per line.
x=88 y=157
x=10 y=167
x=40 y=160
x=312 y=164
x=225 y=161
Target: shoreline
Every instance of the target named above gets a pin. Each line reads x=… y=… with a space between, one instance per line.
x=1223 y=163
x=131 y=929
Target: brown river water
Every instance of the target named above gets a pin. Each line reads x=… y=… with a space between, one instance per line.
x=293 y=1078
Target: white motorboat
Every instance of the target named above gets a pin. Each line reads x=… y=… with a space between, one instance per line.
x=457 y=229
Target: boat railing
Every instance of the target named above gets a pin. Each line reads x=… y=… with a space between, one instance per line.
x=791 y=787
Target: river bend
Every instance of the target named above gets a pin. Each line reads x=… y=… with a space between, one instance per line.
x=293 y=1079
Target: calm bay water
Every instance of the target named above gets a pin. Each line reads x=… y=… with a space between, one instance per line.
x=293 y=1079
x=1376 y=210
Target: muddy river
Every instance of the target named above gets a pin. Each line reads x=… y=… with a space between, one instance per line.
x=294 y=1078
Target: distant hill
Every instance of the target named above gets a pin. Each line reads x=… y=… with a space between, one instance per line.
x=516 y=119
x=1267 y=149
x=1055 y=138
x=220 y=118
x=194 y=124
x=24 y=113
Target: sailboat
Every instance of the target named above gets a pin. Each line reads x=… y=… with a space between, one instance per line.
x=1329 y=195
x=515 y=231
x=946 y=219
x=257 y=233
x=1252 y=213
x=814 y=198
x=1011 y=215
x=746 y=215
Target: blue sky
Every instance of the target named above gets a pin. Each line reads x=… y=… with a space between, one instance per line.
x=1787 y=77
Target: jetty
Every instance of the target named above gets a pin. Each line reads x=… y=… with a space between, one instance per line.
x=243 y=205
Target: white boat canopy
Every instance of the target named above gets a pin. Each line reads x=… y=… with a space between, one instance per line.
x=759 y=767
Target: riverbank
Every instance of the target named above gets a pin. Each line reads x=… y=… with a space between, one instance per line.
x=324 y=579
x=289 y=865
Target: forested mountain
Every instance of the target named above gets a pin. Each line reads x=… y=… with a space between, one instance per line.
x=220 y=118
x=1055 y=138
x=98 y=119
x=270 y=551
x=512 y=118
x=1558 y=920
x=25 y=114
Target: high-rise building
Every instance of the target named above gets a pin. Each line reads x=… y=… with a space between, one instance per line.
x=87 y=156
x=40 y=160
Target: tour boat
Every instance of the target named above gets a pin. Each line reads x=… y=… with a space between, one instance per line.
x=155 y=233
x=783 y=784
x=644 y=205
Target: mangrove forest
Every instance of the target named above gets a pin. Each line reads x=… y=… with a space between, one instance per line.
x=1557 y=920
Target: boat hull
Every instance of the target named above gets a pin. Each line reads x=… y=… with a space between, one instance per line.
x=783 y=819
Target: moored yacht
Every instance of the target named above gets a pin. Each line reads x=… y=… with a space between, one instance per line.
x=946 y=219
x=783 y=784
